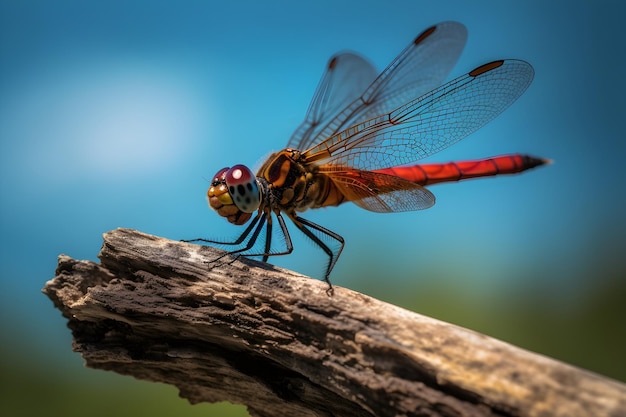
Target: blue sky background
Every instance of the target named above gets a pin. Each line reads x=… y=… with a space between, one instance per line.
x=116 y=115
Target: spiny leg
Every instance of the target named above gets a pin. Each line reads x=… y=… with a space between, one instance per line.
x=268 y=244
x=268 y=239
x=259 y=218
x=240 y=239
x=302 y=224
x=253 y=238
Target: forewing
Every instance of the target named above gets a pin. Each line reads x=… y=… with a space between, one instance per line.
x=381 y=193
x=428 y=124
x=347 y=76
x=419 y=68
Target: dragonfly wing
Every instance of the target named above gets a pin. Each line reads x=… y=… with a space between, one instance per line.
x=346 y=76
x=381 y=193
x=428 y=124
x=419 y=68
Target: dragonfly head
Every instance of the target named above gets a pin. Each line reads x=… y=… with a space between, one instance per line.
x=235 y=194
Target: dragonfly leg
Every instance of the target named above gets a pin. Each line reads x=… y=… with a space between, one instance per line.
x=268 y=239
x=259 y=218
x=283 y=228
x=251 y=234
x=238 y=241
x=304 y=225
x=252 y=239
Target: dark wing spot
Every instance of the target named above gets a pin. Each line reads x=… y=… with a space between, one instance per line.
x=486 y=67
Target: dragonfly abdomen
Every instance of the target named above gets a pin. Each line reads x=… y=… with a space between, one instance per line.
x=428 y=174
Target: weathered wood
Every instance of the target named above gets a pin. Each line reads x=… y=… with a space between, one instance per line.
x=271 y=339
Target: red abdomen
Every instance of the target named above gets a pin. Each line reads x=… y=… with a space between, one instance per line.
x=427 y=174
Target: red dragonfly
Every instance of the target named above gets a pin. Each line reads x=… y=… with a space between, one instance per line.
x=357 y=132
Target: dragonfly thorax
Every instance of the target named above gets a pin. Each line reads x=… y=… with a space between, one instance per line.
x=297 y=185
x=235 y=194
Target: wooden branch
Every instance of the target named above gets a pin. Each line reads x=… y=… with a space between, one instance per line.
x=253 y=334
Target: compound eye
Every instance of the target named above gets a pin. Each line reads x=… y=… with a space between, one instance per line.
x=219 y=177
x=243 y=188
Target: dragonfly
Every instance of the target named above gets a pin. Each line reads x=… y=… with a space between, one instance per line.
x=360 y=139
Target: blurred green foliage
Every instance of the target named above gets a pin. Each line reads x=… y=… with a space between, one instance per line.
x=31 y=387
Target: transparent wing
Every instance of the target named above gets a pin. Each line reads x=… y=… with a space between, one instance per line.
x=382 y=193
x=347 y=76
x=420 y=67
x=428 y=124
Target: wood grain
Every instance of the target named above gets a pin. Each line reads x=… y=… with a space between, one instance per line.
x=254 y=334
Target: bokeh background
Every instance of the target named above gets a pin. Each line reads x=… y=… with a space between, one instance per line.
x=116 y=114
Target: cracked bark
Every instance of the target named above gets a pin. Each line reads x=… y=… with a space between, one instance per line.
x=253 y=334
